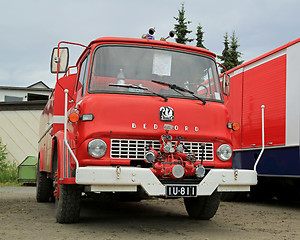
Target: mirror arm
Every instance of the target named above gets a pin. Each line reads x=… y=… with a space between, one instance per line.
x=225 y=83
x=222 y=66
x=57 y=60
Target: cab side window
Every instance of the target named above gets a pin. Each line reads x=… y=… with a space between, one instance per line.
x=81 y=86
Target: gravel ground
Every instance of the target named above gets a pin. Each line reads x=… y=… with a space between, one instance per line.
x=21 y=217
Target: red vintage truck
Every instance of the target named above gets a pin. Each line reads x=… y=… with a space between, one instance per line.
x=140 y=118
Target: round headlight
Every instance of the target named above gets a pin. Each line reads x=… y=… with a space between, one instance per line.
x=97 y=148
x=224 y=152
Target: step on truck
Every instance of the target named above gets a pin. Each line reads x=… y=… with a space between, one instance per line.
x=272 y=80
x=140 y=118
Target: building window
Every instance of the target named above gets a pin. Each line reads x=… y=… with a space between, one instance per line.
x=12 y=99
x=34 y=97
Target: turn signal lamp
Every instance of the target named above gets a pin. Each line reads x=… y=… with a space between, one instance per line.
x=235 y=126
x=74 y=117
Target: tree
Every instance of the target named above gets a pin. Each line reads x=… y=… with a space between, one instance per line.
x=234 y=54
x=199 y=37
x=230 y=55
x=181 y=27
x=225 y=57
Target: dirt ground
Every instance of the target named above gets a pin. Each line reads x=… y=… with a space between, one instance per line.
x=21 y=217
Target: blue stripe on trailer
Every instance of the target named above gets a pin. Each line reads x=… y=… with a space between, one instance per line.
x=274 y=162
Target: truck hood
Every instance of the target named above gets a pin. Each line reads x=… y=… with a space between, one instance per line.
x=135 y=116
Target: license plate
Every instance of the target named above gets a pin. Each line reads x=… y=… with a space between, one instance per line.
x=181 y=191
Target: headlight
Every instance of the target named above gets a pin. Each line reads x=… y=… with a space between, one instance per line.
x=224 y=152
x=97 y=148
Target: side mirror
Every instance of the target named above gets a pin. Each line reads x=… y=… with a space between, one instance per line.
x=226 y=84
x=60 y=59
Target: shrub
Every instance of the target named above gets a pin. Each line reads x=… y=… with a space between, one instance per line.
x=8 y=171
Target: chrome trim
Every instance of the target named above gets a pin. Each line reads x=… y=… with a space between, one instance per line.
x=135 y=149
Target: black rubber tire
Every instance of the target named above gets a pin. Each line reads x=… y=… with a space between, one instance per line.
x=203 y=207
x=44 y=187
x=67 y=207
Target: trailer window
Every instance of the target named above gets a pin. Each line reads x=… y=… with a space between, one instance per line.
x=141 y=65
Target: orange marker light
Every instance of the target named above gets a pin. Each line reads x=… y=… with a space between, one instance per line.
x=74 y=117
x=236 y=126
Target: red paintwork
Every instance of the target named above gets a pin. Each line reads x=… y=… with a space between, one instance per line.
x=250 y=90
x=258 y=88
x=112 y=124
x=144 y=42
x=114 y=115
x=264 y=55
x=234 y=104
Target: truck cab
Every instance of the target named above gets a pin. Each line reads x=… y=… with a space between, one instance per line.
x=140 y=117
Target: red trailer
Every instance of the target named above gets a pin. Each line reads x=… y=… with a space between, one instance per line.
x=140 y=118
x=271 y=80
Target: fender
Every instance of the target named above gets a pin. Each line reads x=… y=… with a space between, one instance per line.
x=64 y=159
x=41 y=160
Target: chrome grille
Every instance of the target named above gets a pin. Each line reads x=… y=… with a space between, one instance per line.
x=136 y=149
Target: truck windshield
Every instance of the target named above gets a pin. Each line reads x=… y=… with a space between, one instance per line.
x=132 y=65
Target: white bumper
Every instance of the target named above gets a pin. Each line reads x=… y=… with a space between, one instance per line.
x=127 y=179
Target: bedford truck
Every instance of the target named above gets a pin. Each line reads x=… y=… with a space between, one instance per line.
x=140 y=118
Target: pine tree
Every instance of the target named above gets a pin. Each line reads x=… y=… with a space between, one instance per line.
x=199 y=37
x=234 y=54
x=230 y=55
x=225 y=57
x=181 y=28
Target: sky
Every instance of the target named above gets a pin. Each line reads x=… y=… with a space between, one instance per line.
x=30 y=29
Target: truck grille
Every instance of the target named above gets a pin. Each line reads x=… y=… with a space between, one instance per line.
x=136 y=149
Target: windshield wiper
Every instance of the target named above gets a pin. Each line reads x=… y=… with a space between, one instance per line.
x=181 y=89
x=138 y=87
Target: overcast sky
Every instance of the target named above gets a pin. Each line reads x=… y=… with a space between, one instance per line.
x=30 y=29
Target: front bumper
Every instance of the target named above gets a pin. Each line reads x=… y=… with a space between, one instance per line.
x=127 y=179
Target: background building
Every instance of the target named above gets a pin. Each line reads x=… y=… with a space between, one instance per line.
x=20 y=110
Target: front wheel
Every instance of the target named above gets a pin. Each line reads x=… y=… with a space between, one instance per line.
x=67 y=205
x=202 y=207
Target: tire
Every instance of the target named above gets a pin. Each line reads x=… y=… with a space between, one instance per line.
x=44 y=186
x=67 y=207
x=203 y=207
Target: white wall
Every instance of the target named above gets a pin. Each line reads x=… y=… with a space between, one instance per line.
x=19 y=130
